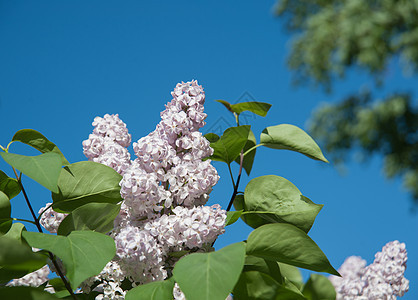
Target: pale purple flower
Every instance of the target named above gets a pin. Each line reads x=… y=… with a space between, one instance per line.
x=50 y=219
x=34 y=279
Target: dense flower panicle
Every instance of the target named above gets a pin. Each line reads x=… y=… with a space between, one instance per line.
x=139 y=255
x=34 y=279
x=50 y=219
x=189 y=228
x=383 y=279
x=112 y=127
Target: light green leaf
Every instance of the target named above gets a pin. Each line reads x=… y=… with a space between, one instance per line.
x=226 y=104
x=290 y=137
x=230 y=144
x=39 y=142
x=279 y=196
x=232 y=217
x=5 y=210
x=84 y=182
x=84 y=253
x=248 y=161
x=210 y=276
x=290 y=245
x=211 y=137
x=44 y=169
x=258 y=108
x=25 y=293
x=292 y=274
x=9 y=186
x=318 y=287
x=158 y=290
x=17 y=259
x=15 y=232
x=97 y=217
x=254 y=285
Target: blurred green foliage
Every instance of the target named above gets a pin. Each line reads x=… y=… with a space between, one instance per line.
x=331 y=36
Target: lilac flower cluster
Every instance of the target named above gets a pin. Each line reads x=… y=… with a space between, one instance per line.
x=34 y=279
x=50 y=219
x=383 y=279
x=107 y=144
x=163 y=189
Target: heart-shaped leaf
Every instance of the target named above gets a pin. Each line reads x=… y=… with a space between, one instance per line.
x=230 y=144
x=9 y=186
x=232 y=217
x=83 y=253
x=318 y=287
x=44 y=169
x=288 y=244
x=84 y=182
x=97 y=217
x=158 y=290
x=282 y=200
x=39 y=142
x=210 y=276
x=290 y=137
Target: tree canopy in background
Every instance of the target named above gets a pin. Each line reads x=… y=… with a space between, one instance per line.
x=332 y=36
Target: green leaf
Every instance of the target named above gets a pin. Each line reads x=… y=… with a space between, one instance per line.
x=232 y=217
x=5 y=210
x=15 y=232
x=318 y=287
x=97 y=217
x=283 y=201
x=271 y=268
x=39 y=142
x=288 y=244
x=254 y=285
x=258 y=108
x=226 y=104
x=25 y=293
x=84 y=253
x=210 y=276
x=251 y=219
x=17 y=259
x=248 y=161
x=292 y=274
x=230 y=144
x=290 y=137
x=152 y=291
x=9 y=186
x=84 y=182
x=44 y=169
x=211 y=137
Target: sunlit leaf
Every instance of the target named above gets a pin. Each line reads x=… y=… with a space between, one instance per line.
x=258 y=108
x=230 y=144
x=158 y=290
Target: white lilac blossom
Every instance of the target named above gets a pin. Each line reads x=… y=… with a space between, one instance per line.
x=34 y=279
x=188 y=228
x=383 y=279
x=50 y=219
x=107 y=144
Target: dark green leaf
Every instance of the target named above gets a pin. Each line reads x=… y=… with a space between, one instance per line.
x=84 y=253
x=211 y=137
x=17 y=259
x=84 y=182
x=258 y=108
x=38 y=141
x=152 y=291
x=226 y=104
x=251 y=219
x=318 y=287
x=97 y=217
x=248 y=161
x=254 y=285
x=44 y=169
x=25 y=293
x=232 y=217
x=5 y=210
x=9 y=186
x=292 y=274
x=229 y=146
x=210 y=276
x=271 y=268
x=279 y=196
x=290 y=137
x=288 y=244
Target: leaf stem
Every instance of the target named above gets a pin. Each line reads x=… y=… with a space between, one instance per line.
x=253 y=148
x=238 y=180
x=38 y=226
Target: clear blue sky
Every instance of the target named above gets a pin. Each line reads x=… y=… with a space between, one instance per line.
x=64 y=62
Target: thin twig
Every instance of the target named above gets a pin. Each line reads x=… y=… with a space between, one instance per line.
x=238 y=180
